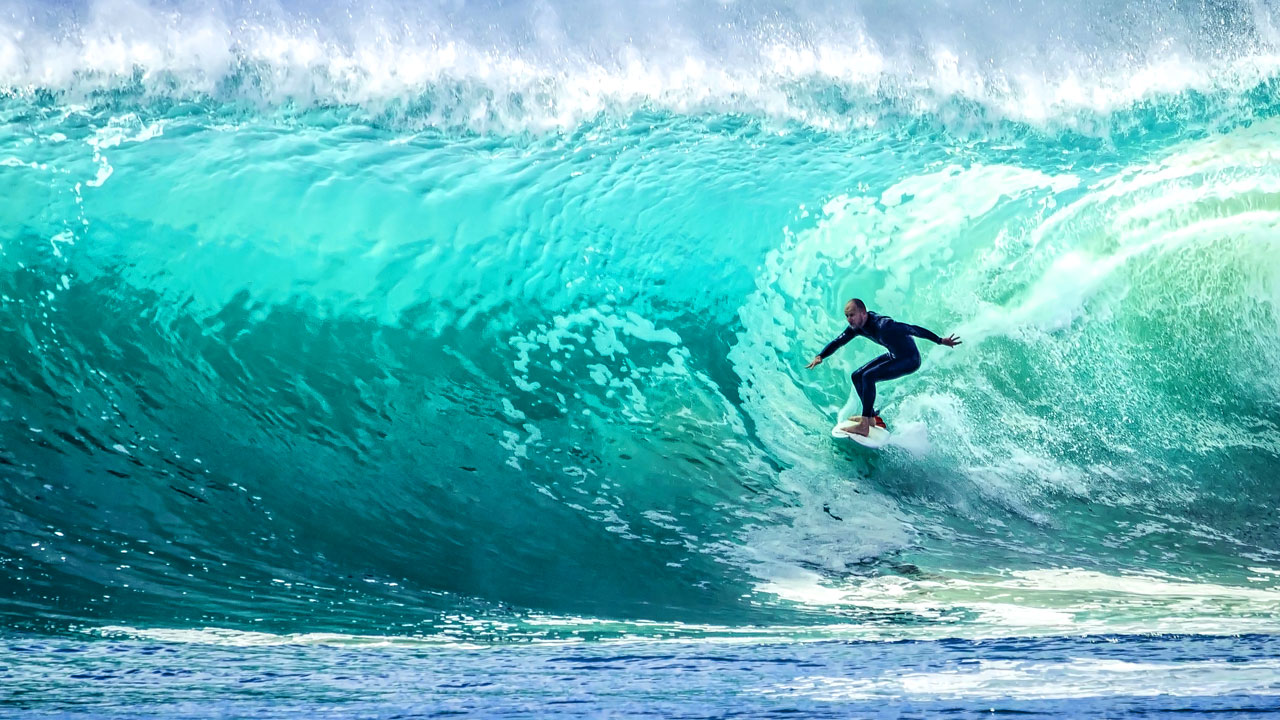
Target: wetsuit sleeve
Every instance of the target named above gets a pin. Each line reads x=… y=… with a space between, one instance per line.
x=922 y=333
x=839 y=342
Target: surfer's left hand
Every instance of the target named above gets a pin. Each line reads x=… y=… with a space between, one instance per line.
x=949 y=341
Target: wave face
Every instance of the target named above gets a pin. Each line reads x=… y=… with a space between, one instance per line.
x=490 y=321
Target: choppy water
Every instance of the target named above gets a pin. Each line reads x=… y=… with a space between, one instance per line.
x=486 y=323
x=259 y=676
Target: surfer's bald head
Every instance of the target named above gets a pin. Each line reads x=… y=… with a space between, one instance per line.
x=855 y=311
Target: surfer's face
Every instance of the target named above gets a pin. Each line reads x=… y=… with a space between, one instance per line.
x=855 y=316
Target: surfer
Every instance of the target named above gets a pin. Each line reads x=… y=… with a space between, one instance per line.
x=902 y=359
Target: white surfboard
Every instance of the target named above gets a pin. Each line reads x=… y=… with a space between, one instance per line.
x=877 y=438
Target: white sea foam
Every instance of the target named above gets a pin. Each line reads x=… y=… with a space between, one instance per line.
x=1043 y=603
x=1040 y=680
x=552 y=65
x=1033 y=603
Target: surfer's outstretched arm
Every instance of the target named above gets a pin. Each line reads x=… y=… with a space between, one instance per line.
x=927 y=334
x=834 y=345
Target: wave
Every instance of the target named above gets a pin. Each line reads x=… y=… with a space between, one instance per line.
x=338 y=376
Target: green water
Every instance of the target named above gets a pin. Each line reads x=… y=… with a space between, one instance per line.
x=501 y=355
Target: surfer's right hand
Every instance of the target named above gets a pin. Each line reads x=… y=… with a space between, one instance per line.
x=817 y=360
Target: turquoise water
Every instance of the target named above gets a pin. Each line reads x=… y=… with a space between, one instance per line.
x=487 y=324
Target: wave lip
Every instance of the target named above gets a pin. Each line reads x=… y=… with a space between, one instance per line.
x=547 y=68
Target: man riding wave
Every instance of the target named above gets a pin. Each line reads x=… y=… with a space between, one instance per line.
x=902 y=358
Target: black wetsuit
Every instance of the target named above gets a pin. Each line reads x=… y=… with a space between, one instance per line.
x=903 y=357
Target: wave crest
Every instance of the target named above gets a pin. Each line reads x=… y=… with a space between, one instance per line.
x=549 y=67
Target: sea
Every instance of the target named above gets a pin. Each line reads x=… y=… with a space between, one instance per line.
x=389 y=359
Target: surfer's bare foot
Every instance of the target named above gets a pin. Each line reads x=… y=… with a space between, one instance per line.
x=863 y=427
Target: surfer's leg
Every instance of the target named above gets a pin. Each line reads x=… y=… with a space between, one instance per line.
x=859 y=379
x=891 y=369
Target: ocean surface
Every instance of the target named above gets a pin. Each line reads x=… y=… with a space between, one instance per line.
x=384 y=358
